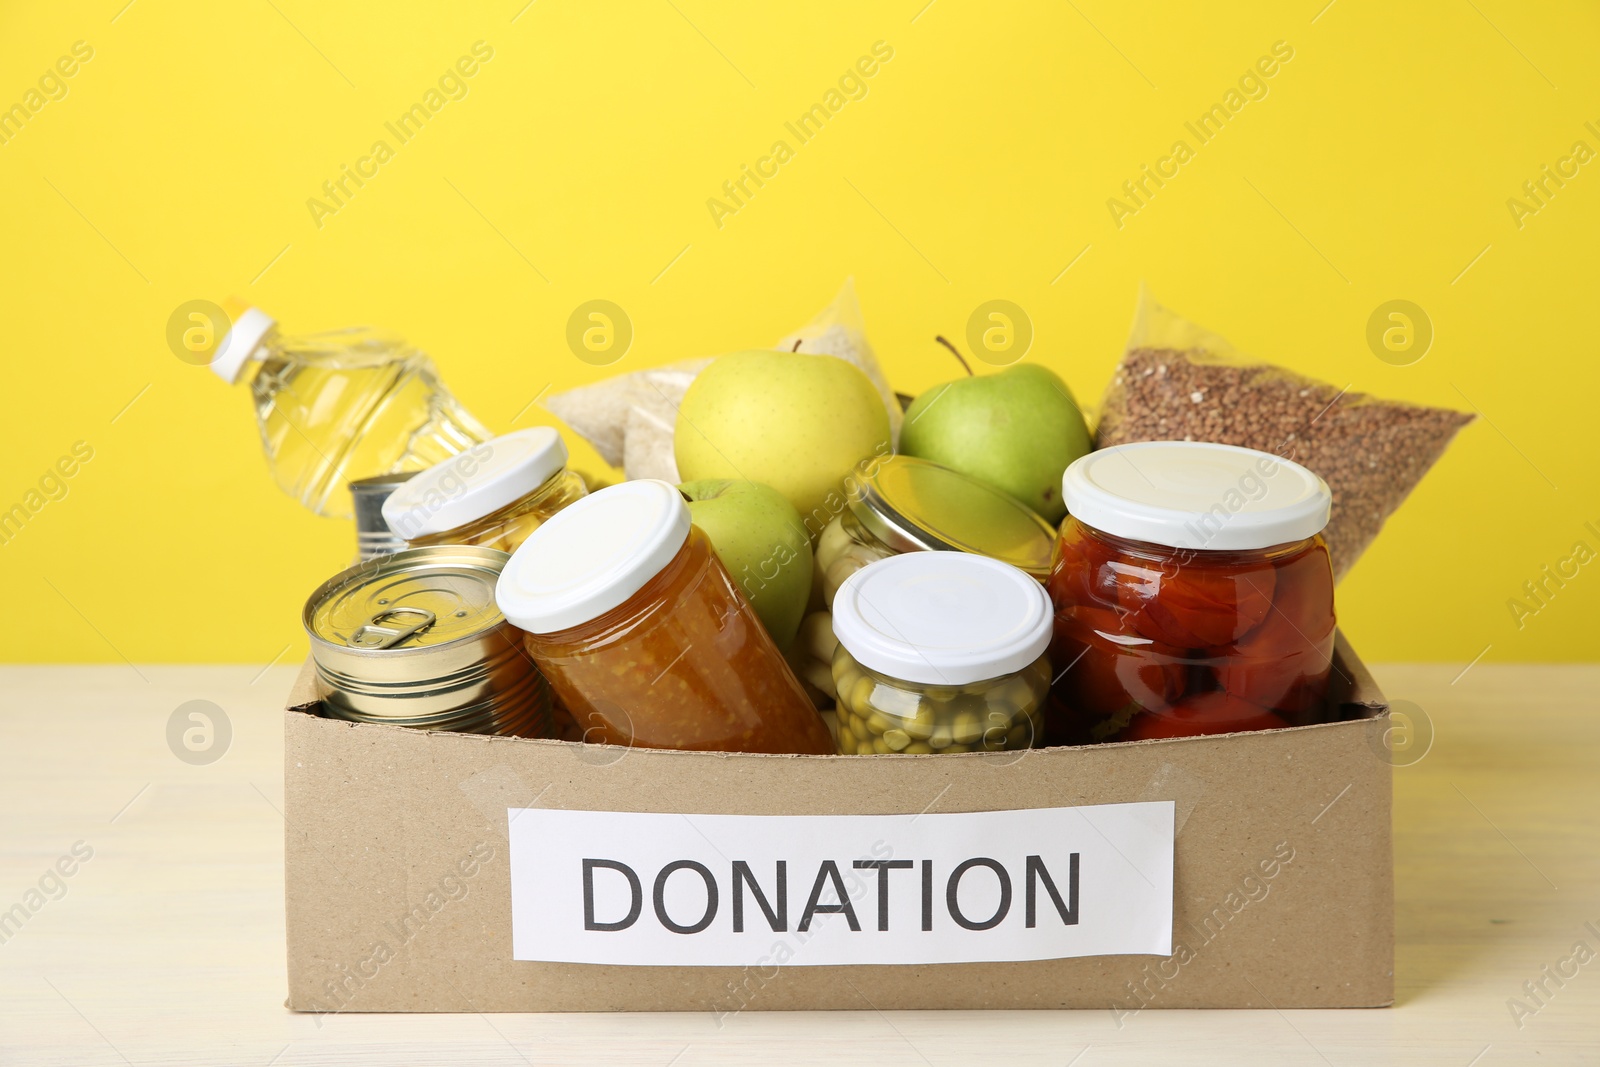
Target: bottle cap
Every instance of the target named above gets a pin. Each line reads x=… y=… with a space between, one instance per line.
x=248 y=326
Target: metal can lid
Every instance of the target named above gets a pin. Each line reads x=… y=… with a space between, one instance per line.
x=380 y=484
x=419 y=598
x=911 y=504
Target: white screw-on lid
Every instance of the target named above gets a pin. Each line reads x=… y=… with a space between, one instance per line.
x=592 y=555
x=240 y=342
x=942 y=618
x=478 y=482
x=1196 y=495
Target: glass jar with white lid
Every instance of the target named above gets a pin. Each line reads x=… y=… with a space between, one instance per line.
x=493 y=495
x=1193 y=594
x=940 y=652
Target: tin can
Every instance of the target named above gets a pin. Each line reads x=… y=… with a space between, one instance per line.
x=373 y=536
x=414 y=639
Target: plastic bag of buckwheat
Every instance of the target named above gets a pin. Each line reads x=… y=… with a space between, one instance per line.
x=1179 y=382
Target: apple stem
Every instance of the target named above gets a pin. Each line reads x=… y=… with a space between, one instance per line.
x=954 y=352
x=797 y=345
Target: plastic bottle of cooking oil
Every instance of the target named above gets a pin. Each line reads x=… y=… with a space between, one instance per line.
x=339 y=406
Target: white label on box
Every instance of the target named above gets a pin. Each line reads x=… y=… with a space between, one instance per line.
x=631 y=888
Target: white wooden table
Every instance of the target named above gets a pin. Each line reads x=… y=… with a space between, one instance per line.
x=166 y=944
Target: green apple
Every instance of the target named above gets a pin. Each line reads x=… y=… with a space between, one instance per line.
x=1017 y=430
x=759 y=538
x=797 y=422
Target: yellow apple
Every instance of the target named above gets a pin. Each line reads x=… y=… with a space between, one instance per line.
x=797 y=422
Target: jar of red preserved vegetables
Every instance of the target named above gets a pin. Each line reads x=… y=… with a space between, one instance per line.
x=1193 y=594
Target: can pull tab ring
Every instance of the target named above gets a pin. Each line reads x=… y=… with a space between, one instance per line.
x=371 y=634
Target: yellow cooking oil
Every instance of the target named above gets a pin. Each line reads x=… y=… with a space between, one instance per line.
x=349 y=404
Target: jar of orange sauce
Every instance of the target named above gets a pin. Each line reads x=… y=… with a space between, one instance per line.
x=643 y=635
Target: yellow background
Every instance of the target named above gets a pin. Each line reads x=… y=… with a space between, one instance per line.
x=180 y=162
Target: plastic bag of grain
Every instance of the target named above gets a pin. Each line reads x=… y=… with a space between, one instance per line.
x=1179 y=382
x=629 y=418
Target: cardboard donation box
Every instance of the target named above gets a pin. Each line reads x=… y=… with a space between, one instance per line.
x=431 y=871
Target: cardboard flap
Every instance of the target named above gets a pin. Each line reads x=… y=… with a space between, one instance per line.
x=1351 y=688
x=303 y=694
